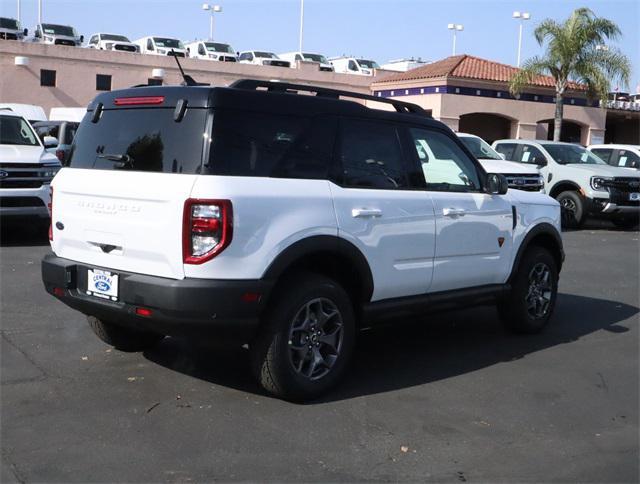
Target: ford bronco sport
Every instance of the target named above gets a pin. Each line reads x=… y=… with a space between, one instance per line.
x=255 y=214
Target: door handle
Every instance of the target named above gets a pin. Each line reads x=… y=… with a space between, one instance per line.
x=366 y=212
x=453 y=212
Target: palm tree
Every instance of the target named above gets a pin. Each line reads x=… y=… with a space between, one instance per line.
x=575 y=53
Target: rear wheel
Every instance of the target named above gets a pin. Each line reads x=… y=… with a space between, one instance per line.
x=307 y=339
x=573 y=209
x=533 y=292
x=121 y=338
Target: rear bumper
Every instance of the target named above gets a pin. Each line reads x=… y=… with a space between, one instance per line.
x=221 y=309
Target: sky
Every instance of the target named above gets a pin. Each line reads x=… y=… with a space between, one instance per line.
x=376 y=29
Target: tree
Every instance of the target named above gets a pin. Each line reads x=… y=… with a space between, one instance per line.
x=575 y=53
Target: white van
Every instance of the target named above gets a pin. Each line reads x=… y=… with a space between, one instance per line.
x=216 y=51
x=161 y=46
x=67 y=114
x=10 y=29
x=30 y=112
x=262 y=58
x=293 y=57
x=55 y=34
x=353 y=65
x=101 y=41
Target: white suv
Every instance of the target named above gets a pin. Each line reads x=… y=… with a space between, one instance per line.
x=26 y=168
x=115 y=42
x=287 y=226
x=215 y=51
x=625 y=156
x=582 y=183
x=262 y=58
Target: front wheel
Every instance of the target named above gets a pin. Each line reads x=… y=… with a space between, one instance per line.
x=573 y=209
x=533 y=295
x=307 y=339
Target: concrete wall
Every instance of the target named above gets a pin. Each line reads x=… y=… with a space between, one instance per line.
x=76 y=71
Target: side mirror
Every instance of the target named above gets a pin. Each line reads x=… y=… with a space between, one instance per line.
x=25 y=32
x=81 y=39
x=496 y=184
x=50 y=142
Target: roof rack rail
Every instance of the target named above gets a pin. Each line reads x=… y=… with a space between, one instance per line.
x=253 y=84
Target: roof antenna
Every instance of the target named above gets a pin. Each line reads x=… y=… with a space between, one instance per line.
x=188 y=80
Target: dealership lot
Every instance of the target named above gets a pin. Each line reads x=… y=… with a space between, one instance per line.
x=457 y=399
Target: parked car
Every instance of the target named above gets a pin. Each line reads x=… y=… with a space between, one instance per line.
x=353 y=65
x=625 y=156
x=67 y=114
x=519 y=176
x=307 y=218
x=582 y=183
x=10 y=29
x=161 y=46
x=293 y=57
x=216 y=51
x=262 y=58
x=31 y=112
x=26 y=169
x=101 y=41
x=62 y=132
x=57 y=35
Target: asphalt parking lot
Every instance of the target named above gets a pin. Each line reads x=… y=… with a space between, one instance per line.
x=457 y=399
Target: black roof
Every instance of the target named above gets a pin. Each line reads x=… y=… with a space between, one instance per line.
x=283 y=98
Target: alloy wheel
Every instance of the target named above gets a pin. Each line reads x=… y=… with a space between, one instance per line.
x=538 y=297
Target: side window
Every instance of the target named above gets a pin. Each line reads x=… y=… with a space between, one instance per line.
x=94 y=40
x=531 y=154
x=445 y=165
x=603 y=154
x=201 y=50
x=353 y=66
x=249 y=56
x=628 y=159
x=270 y=145
x=508 y=150
x=150 y=44
x=298 y=57
x=370 y=156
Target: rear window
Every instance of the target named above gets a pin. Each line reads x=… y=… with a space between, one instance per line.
x=258 y=144
x=141 y=140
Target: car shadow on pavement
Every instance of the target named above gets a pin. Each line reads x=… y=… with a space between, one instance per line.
x=408 y=354
x=24 y=232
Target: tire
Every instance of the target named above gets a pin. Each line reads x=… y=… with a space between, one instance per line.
x=534 y=290
x=626 y=221
x=285 y=363
x=573 y=209
x=121 y=338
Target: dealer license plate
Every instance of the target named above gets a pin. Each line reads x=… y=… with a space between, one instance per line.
x=102 y=284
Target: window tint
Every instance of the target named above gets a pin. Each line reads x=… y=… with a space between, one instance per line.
x=507 y=149
x=103 y=82
x=150 y=138
x=94 y=40
x=352 y=66
x=201 y=50
x=16 y=131
x=47 y=78
x=445 y=166
x=369 y=155
x=569 y=153
x=531 y=154
x=270 y=145
x=628 y=159
x=603 y=154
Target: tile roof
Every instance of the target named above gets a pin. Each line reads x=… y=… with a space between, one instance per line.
x=466 y=66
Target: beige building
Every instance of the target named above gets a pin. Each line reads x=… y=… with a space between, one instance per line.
x=467 y=93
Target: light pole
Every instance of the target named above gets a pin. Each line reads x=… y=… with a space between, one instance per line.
x=39 y=12
x=301 y=25
x=522 y=16
x=455 y=28
x=212 y=9
x=18 y=11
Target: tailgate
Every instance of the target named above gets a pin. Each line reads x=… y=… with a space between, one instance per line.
x=122 y=220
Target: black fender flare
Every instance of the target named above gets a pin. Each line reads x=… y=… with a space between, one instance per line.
x=556 y=192
x=323 y=244
x=544 y=229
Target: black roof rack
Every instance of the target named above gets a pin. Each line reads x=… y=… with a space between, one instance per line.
x=253 y=84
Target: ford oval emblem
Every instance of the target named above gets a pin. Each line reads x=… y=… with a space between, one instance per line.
x=102 y=286
x=3 y=174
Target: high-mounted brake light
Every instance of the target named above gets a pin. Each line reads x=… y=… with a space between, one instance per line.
x=50 y=207
x=207 y=228
x=138 y=100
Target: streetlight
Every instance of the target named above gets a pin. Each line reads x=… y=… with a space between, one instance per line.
x=522 y=16
x=456 y=28
x=39 y=12
x=213 y=9
x=301 y=25
x=18 y=16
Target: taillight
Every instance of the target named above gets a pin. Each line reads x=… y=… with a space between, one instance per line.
x=138 y=100
x=207 y=229
x=60 y=155
x=50 y=207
